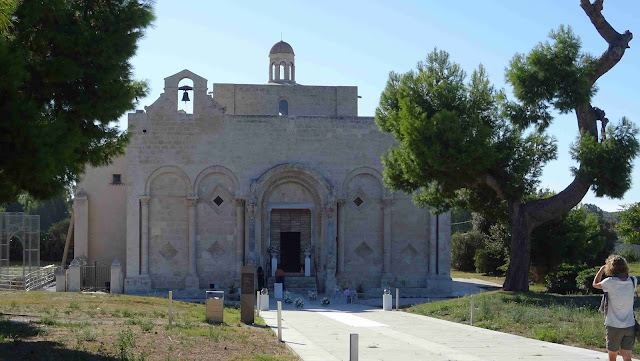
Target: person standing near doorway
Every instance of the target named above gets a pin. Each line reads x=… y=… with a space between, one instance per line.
x=260 y=275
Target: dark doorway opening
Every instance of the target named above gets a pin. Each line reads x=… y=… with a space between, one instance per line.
x=290 y=251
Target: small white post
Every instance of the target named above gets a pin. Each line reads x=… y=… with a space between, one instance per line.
x=170 y=307
x=397 y=299
x=472 y=307
x=258 y=303
x=280 y=321
x=274 y=266
x=353 y=349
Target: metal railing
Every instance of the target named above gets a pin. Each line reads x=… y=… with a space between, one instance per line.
x=31 y=281
x=40 y=278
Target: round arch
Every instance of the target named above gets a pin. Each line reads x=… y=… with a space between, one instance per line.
x=216 y=169
x=293 y=172
x=364 y=170
x=168 y=169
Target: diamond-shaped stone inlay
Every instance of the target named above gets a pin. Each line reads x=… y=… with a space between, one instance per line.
x=168 y=251
x=363 y=250
x=216 y=249
x=358 y=201
x=409 y=253
x=218 y=201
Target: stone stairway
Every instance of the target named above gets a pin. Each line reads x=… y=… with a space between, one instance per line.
x=295 y=283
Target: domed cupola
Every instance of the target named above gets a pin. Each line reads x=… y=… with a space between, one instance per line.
x=282 y=64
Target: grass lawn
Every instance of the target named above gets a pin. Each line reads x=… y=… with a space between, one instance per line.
x=499 y=280
x=71 y=326
x=570 y=320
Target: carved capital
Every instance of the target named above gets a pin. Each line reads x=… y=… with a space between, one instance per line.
x=252 y=207
x=341 y=202
x=192 y=201
x=144 y=200
x=330 y=210
x=386 y=203
x=240 y=202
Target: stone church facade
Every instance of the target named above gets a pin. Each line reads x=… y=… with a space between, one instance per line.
x=197 y=196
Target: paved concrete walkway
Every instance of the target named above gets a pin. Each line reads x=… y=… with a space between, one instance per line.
x=322 y=334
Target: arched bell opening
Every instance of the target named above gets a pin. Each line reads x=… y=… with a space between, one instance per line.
x=185 y=96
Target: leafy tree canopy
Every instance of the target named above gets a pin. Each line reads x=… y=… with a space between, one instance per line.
x=66 y=77
x=629 y=226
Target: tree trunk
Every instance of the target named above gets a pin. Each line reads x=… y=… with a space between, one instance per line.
x=518 y=271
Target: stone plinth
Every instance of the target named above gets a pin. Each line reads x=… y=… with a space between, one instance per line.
x=61 y=280
x=248 y=297
x=117 y=284
x=74 y=276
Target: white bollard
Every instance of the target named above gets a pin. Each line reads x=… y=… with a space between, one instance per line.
x=280 y=321
x=353 y=347
x=397 y=299
x=170 y=307
x=472 y=307
x=258 y=303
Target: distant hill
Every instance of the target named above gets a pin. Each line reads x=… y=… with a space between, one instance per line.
x=607 y=217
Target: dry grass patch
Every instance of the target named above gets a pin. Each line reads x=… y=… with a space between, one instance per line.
x=72 y=326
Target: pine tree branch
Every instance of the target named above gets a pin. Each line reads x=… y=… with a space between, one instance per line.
x=618 y=43
x=489 y=180
x=544 y=210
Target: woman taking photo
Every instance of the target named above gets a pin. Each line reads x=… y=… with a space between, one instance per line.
x=620 y=322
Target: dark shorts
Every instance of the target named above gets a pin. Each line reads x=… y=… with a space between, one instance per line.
x=620 y=338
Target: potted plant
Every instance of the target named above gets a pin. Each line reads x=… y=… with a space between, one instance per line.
x=325 y=302
x=313 y=295
x=287 y=297
x=299 y=303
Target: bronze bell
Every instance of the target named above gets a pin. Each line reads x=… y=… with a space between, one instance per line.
x=185 y=95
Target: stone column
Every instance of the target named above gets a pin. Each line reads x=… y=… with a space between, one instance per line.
x=330 y=224
x=387 y=204
x=239 y=237
x=252 y=208
x=341 y=231
x=433 y=252
x=192 y=279
x=144 y=236
x=81 y=225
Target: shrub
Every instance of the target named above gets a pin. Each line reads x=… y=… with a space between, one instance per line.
x=463 y=249
x=584 y=280
x=489 y=261
x=629 y=254
x=492 y=258
x=563 y=280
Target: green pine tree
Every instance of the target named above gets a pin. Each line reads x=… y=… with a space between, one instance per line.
x=463 y=143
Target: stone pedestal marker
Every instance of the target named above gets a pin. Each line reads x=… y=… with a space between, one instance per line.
x=61 y=280
x=74 y=276
x=247 y=299
x=117 y=282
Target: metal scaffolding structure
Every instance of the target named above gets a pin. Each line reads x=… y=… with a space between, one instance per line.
x=23 y=228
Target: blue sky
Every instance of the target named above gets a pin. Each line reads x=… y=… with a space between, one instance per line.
x=359 y=42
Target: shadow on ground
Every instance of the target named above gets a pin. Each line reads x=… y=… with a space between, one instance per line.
x=20 y=347
x=44 y=350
